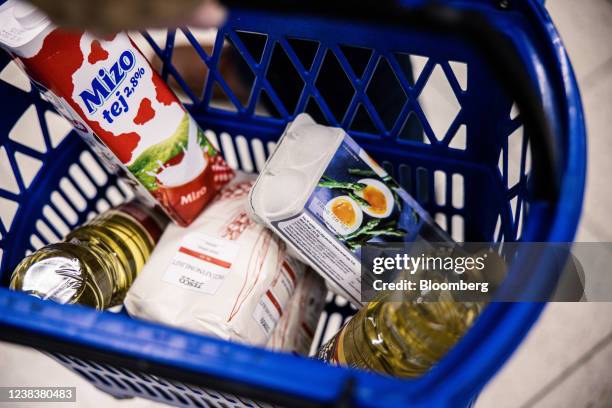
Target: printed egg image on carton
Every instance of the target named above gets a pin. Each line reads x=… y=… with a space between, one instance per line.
x=326 y=197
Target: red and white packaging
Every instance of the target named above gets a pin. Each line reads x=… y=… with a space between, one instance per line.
x=224 y=275
x=296 y=329
x=125 y=112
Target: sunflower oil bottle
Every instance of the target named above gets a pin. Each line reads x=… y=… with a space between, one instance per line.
x=403 y=339
x=406 y=338
x=97 y=262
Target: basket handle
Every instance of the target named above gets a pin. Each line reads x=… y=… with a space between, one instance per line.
x=495 y=49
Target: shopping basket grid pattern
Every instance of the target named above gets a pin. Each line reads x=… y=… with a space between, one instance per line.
x=449 y=135
x=123 y=383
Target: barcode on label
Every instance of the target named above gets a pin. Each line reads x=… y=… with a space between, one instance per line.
x=267 y=313
x=264 y=324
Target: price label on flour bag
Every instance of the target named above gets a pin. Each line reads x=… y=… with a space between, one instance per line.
x=201 y=263
x=270 y=307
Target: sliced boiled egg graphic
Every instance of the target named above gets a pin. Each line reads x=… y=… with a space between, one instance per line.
x=343 y=215
x=378 y=195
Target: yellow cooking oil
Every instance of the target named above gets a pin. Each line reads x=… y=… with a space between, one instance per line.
x=96 y=263
x=403 y=339
x=406 y=337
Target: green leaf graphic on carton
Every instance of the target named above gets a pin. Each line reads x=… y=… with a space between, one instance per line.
x=148 y=162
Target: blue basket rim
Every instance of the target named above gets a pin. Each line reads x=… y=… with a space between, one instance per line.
x=516 y=318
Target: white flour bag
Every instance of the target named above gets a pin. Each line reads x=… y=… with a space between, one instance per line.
x=224 y=275
x=296 y=328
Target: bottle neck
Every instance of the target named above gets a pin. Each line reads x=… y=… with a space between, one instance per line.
x=151 y=219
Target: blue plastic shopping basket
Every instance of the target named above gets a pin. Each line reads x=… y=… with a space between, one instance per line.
x=471 y=170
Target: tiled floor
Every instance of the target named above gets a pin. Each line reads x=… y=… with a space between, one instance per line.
x=565 y=360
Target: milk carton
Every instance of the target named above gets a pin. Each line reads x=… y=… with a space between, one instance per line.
x=121 y=107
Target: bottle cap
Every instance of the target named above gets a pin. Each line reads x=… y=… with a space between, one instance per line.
x=52 y=274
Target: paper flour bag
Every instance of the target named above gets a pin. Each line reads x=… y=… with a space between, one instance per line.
x=296 y=328
x=224 y=275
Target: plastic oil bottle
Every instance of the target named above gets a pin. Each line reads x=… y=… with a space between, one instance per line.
x=402 y=339
x=97 y=262
x=406 y=338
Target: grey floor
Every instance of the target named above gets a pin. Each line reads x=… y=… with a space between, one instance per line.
x=565 y=360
